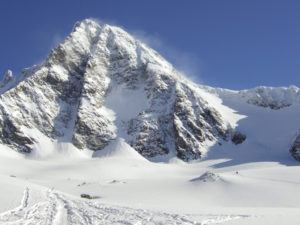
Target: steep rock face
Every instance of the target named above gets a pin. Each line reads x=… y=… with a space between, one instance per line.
x=238 y=138
x=177 y=120
x=66 y=98
x=295 y=147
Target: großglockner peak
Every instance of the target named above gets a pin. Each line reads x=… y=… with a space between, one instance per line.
x=100 y=84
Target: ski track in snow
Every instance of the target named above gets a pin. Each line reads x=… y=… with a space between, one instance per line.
x=57 y=209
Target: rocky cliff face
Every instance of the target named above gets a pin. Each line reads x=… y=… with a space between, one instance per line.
x=74 y=96
x=295 y=147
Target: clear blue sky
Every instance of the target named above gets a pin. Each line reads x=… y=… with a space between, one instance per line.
x=234 y=44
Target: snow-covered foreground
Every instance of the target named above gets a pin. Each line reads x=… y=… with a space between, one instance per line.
x=128 y=189
x=56 y=208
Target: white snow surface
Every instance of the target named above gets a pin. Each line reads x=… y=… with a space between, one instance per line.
x=256 y=182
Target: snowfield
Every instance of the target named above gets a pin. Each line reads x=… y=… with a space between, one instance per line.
x=58 y=209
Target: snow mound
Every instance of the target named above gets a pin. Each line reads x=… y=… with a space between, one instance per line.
x=207 y=177
x=120 y=149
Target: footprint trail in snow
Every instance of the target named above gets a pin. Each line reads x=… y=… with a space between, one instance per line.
x=59 y=209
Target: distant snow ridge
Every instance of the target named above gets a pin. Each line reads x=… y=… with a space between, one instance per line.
x=274 y=98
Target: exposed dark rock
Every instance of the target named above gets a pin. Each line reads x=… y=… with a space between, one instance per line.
x=295 y=148
x=12 y=136
x=238 y=138
x=87 y=196
x=273 y=105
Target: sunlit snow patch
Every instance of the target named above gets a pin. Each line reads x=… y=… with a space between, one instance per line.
x=120 y=149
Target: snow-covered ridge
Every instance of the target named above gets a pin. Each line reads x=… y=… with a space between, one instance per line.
x=274 y=98
x=262 y=96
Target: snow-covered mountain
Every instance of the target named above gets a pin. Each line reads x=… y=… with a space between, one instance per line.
x=100 y=84
x=97 y=115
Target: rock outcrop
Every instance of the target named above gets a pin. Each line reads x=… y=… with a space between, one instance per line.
x=295 y=147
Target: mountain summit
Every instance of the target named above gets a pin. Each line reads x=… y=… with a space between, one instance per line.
x=100 y=84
